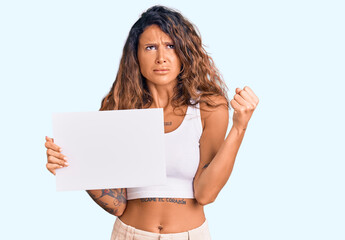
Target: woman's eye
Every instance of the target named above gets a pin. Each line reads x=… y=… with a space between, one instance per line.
x=171 y=46
x=150 y=47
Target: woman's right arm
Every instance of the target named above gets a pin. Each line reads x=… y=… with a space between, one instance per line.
x=114 y=201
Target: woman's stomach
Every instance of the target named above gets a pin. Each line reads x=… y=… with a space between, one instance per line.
x=163 y=215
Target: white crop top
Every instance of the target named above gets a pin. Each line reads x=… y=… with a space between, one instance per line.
x=182 y=160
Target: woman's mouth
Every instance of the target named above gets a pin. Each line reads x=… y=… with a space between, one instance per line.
x=161 y=70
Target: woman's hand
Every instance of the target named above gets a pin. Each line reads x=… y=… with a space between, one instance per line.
x=244 y=104
x=54 y=156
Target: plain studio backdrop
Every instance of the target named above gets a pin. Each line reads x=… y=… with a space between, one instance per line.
x=288 y=179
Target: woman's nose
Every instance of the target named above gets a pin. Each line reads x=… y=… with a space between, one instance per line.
x=161 y=58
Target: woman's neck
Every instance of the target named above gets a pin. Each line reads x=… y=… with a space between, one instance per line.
x=161 y=96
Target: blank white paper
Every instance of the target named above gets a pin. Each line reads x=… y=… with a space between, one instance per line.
x=110 y=149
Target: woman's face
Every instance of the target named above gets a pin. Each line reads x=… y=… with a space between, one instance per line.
x=158 y=61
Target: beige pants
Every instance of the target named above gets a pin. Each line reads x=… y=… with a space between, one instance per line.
x=122 y=231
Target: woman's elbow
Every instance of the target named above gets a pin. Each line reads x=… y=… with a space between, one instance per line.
x=120 y=210
x=118 y=213
x=204 y=200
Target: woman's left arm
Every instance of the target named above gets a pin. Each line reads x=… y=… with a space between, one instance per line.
x=217 y=156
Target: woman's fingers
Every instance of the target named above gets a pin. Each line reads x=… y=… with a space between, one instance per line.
x=53 y=153
x=52 y=167
x=252 y=94
x=55 y=163
x=49 y=139
x=240 y=100
x=50 y=144
x=245 y=98
x=52 y=159
x=235 y=105
x=54 y=156
x=246 y=95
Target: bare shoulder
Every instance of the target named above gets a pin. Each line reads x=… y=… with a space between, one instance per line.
x=212 y=115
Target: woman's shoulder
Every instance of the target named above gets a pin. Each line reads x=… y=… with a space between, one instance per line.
x=213 y=109
x=211 y=104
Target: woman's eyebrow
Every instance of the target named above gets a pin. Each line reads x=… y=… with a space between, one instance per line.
x=153 y=43
x=150 y=44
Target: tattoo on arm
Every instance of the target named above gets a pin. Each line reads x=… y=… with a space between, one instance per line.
x=206 y=165
x=107 y=192
x=104 y=205
x=109 y=199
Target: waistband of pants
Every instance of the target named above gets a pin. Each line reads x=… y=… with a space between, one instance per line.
x=124 y=227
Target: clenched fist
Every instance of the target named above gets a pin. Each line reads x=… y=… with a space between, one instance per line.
x=244 y=104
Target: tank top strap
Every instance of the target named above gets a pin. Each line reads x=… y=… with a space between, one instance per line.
x=194 y=116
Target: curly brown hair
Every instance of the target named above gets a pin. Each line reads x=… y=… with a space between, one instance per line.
x=198 y=80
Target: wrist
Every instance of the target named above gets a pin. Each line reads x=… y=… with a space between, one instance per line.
x=239 y=129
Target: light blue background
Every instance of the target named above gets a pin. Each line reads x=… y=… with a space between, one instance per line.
x=288 y=179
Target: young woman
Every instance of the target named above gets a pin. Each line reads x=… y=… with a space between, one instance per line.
x=164 y=65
